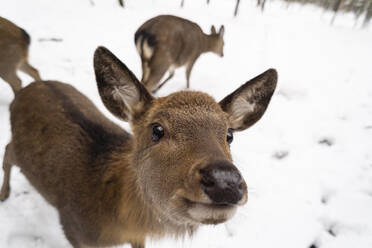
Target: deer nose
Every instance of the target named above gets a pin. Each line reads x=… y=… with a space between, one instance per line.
x=222 y=182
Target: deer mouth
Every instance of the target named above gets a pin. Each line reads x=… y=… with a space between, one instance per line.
x=209 y=213
x=191 y=203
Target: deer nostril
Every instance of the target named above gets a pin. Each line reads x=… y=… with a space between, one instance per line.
x=207 y=181
x=241 y=186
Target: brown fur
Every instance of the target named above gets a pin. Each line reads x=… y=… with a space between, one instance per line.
x=173 y=42
x=111 y=187
x=14 y=43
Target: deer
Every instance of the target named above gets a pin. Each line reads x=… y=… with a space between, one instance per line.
x=167 y=42
x=172 y=175
x=14 y=45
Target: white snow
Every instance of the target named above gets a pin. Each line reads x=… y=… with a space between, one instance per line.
x=308 y=162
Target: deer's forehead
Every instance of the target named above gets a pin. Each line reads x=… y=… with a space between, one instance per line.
x=191 y=120
x=189 y=108
x=187 y=101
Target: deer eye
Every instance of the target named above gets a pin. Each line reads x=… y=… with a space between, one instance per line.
x=229 y=136
x=157 y=132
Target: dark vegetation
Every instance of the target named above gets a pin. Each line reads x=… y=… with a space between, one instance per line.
x=360 y=8
x=357 y=7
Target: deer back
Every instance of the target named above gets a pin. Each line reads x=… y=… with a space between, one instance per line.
x=63 y=143
x=176 y=39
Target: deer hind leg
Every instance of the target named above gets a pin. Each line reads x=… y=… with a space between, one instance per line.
x=171 y=74
x=157 y=71
x=7 y=166
x=30 y=70
x=188 y=72
x=13 y=81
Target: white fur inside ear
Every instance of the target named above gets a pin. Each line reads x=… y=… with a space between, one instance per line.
x=242 y=106
x=128 y=94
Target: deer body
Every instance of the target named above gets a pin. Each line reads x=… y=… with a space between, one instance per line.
x=14 y=43
x=173 y=174
x=79 y=161
x=167 y=42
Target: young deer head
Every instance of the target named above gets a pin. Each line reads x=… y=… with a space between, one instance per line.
x=181 y=153
x=167 y=42
x=14 y=43
x=216 y=40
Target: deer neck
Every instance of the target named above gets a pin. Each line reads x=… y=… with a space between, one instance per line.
x=132 y=211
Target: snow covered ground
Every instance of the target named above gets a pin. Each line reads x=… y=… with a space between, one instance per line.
x=308 y=162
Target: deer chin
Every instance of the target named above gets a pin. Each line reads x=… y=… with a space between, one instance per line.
x=209 y=213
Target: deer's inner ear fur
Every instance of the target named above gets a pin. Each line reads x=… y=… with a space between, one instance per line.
x=121 y=92
x=246 y=105
x=128 y=95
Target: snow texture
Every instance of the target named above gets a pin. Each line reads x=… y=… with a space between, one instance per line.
x=307 y=162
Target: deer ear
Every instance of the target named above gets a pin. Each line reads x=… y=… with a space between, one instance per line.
x=121 y=92
x=247 y=104
x=222 y=31
x=213 y=30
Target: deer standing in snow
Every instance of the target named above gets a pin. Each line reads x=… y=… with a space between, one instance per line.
x=110 y=187
x=167 y=42
x=14 y=43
